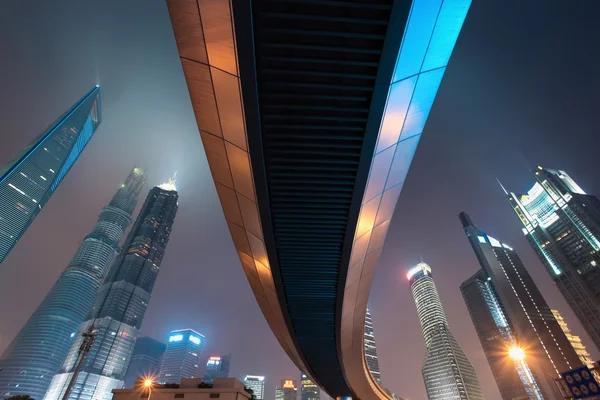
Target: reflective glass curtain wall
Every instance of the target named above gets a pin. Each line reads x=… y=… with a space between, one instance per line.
x=371 y=349
x=145 y=361
x=120 y=306
x=562 y=224
x=39 y=349
x=29 y=179
x=447 y=372
x=182 y=358
x=531 y=321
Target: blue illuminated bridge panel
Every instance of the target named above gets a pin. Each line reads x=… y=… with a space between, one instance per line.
x=309 y=150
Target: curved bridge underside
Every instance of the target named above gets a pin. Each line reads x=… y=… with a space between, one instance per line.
x=309 y=150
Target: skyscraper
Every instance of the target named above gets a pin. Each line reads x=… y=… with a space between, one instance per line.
x=371 y=349
x=513 y=377
x=120 y=306
x=562 y=224
x=217 y=367
x=257 y=384
x=308 y=389
x=575 y=341
x=30 y=178
x=520 y=312
x=288 y=390
x=145 y=361
x=447 y=372
x=39 y=349
x=182 y=358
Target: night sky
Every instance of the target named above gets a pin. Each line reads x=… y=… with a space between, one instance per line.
x=520 y=91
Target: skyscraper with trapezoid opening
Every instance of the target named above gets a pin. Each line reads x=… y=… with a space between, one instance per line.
x=28 y=181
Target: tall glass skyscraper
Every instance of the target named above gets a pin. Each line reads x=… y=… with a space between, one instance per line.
x=30 y=178
x=39 y=349
x=562 y=224
x=520 y=314
x=288 y=390
x=120 y=306
x=308 y=389
x=146 y=359
x=371 y=349
x=217 y=367
x=447 y=372
x=182 y=358
x=257 y=384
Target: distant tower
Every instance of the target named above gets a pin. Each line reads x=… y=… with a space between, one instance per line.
x=217 y=367
x=562 y=224
x=39 y=349
x=29 y=179
x=182 y=358
x=288 y=390
x=371 y=349
x=257 y=384
x=120 y=306
x=308 y=389
x=447 y=372
x=520 y=313
x=145 y=361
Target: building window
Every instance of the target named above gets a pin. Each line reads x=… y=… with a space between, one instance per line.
x=179 y=395
x=215 y=395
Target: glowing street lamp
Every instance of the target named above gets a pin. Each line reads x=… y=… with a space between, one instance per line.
x=148 y=383
x=516 y=353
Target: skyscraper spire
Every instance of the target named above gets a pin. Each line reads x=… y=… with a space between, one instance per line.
x=39 y=349
x=502 y=186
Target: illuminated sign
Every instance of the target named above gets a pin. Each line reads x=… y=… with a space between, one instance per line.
x=288 y=384
x=194 y=339
x=175 y=338
x=254 y=377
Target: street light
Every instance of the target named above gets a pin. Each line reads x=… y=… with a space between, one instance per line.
x=148 y=385
x=516 y=353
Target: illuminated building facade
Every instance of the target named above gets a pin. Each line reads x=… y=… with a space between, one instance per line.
x=217 y=367
x=371 y=349
x=288 y=390
x=38 y=351
x=514 y=379
x=308 y=389
x=182 y=358
x=257 y=384
x=120 y=306
x=145 y=361
x=28 y=181
x=520 y=313
x=447 y=372
x=562 y=224
x=575 y=341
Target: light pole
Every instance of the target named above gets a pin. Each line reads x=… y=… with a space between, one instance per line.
x=148 y=384
x=86 y=345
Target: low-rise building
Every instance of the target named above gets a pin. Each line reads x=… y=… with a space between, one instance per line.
x=222 y=389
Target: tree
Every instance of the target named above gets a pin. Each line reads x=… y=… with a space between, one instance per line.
x=250 y=391
x=21 y=397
